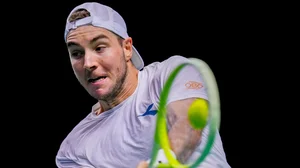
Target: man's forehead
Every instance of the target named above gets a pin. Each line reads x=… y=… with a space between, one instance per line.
x=88 y=33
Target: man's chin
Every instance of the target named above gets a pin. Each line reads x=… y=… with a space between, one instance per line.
x=100 y=94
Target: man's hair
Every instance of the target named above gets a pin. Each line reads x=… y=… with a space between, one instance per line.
x=82 y=13
x=79 y=14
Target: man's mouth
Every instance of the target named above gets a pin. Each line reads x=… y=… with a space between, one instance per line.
x=93 y=80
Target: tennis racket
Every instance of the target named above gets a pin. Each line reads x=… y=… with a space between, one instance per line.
x=161 y=139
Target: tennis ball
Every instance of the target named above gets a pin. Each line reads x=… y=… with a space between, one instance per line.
x=198 y=113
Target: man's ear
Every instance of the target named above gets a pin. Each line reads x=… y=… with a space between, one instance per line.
x=127 y=47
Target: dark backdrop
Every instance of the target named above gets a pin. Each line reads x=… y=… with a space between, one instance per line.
x=223 y=35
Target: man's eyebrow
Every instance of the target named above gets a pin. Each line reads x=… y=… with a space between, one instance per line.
x=69 y=44
x=101 y=36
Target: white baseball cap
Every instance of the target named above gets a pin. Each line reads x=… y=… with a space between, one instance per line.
x=105 y=17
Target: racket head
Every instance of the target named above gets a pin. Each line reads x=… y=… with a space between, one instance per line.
x=161 y=140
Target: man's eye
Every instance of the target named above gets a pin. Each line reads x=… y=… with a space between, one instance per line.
x=76 y=54
x=99 y=49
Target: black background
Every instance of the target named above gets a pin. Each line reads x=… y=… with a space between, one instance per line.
x=233 y=38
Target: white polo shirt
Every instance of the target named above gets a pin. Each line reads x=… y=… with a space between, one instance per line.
x=123 y=136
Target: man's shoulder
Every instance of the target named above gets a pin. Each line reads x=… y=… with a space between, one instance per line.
x=169 y=62
x=176 y=58
x=159 y=70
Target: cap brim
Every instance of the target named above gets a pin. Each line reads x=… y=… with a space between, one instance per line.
x=137 y=59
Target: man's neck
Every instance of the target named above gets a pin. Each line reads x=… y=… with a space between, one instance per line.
x=128 y=89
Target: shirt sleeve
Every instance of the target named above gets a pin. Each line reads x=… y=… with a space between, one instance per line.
x=188 y=83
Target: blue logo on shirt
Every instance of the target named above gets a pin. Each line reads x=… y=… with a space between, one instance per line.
x=149 y=111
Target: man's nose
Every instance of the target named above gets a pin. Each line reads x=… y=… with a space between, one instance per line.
x=90 y=62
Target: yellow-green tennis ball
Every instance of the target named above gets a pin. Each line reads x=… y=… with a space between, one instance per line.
x=198 y=113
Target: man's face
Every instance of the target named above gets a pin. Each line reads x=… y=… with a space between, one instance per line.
x=98 y=61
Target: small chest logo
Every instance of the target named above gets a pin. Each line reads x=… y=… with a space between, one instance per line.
x=149 y=111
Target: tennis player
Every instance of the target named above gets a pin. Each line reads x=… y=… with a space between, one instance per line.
x=118 y=132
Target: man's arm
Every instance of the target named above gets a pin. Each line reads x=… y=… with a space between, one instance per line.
x=183 y=138
x=142 y=164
